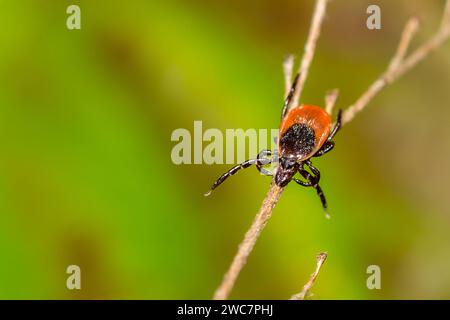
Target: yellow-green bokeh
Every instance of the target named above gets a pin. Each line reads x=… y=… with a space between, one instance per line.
x=86 y=175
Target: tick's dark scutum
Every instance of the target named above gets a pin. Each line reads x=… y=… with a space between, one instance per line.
x=298 y=140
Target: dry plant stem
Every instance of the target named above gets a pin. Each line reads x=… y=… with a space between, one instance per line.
x=400 y=63
x=310 y=47
x=307 y=287
x=409 y=31
x=330 y=100
x=288 y=67
x=246 y=247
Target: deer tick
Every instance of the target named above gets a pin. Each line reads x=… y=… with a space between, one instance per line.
x=305 y=131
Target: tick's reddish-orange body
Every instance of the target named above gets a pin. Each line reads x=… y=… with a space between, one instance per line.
x=316 y=119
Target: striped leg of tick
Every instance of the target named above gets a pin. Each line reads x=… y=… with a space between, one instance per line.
x=314 y=170
x=327 y=147
x=287 y=102
x=321 y=196
x=223 y=177
x=337 y=126
x=305 y=174
x=312 y=179
x=302 y=183
x=314 y=183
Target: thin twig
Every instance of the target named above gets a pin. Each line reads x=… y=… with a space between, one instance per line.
x=313 y=36
x=246 y=247
x=330 y=100
x=288 y=67
x=409 y=31
x=307 y=287
x=400 y=64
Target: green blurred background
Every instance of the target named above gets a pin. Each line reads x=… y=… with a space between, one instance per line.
x=86 y=176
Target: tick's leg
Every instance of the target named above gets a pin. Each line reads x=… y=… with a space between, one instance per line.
x=327 y=146
x=314 y=183
x=223 y=177
x=262 y=161
x=322 y=196
x=302 y=183
x=314 y=170
x=289 y=97
x=337 y=126
x=310 y=179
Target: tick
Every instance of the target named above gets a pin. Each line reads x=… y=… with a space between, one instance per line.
x=305 y=131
